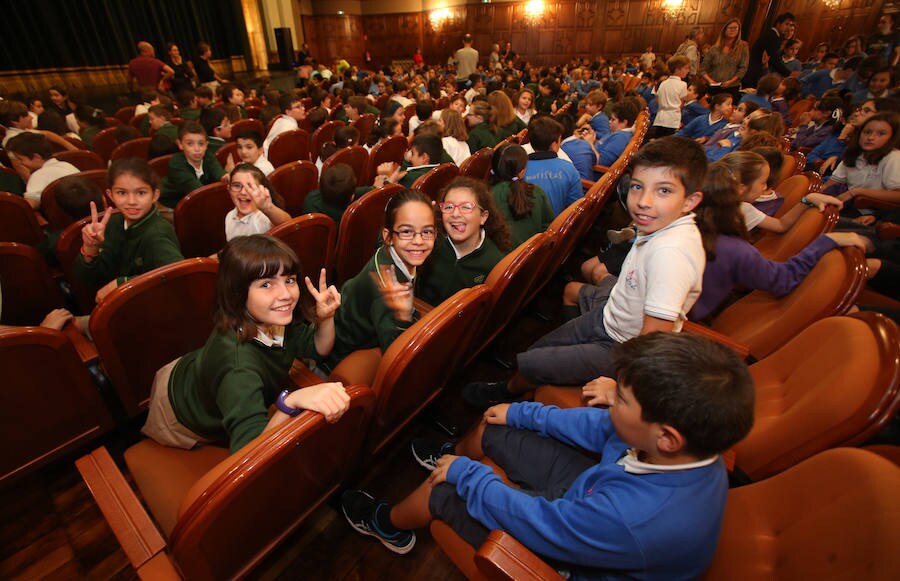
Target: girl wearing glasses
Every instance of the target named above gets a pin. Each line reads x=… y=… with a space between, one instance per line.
x=257 y=207
x=377 y=304
x=477 y=237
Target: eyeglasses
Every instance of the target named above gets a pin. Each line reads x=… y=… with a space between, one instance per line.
x=235 y=186
x=409 y=233
x=865 y=109
x=464 y=208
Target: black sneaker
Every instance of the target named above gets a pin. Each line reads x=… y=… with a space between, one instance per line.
x=427 y=452
x=359 y=509
x=484 y=394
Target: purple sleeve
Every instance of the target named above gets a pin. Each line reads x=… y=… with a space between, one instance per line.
x=812 y=136
x=754 y=271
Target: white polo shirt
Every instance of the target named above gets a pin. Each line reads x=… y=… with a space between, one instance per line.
x=52 y=170
x=255 y=223
x=661 y=277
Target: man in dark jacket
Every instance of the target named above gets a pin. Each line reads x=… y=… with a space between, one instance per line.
x=769 y=43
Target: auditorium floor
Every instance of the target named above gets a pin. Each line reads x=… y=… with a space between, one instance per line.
x=50 y=528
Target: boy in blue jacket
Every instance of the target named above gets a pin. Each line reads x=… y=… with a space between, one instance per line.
x=650 y=508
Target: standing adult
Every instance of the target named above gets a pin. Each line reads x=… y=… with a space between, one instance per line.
x=508 y=53
x=206 y=75
x=145 y=70
x=768 y=45
x=466 y=59
x=647 y=59
x=494 y=59
x=691 y=49
x=886 y=42
x=183 y=71
x=726 y=61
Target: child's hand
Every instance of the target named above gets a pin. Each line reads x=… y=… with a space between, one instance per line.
x=94 y=233
x=106 y=289
x=828 y=165
x=724 y=143
x=260 y=196
x=387 y=168
x=600 y=392
x=439 y=474
x=852 y=239
x=328 y=299
x=229 y=164
x=587 y=133
x=329 y=399
x=397 y=296
x=56 y=319
x=496 y=415
x=821 y=201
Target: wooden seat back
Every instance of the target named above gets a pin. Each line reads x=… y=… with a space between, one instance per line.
x=200 y=220
x=477 y=165
x=360 y=231
x=391 y=149
x=321 y=136
x=434 y=181
x=18 y=222
x=356 y=157
x=293 y=181
x=248 y=125
x=312 y=237
x=139 y=148
x=82 y=159
x=289 y=146
x=29 y=291
x=364 y=125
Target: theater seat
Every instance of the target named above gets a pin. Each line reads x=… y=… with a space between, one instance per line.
x=293 y=181
x=139 y=147
x=248 y=125
x=434 y=181
x=321 y=136
x=478 y=165
x=355 y=156
x=810 y=225
x=18 y=221
x=834 y=516
x=364 y=125
x=57 y=218
x=360 y=231
x=312 y=237
x=149 y=321
x=82 y=159
x=391 y=149
x=289 y=146
x=200 y=219
x=221 y=514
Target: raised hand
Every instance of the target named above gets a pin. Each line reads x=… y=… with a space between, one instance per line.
x=94 y=233
x=327 y=298
x=397 y=296
x=600 y=392
x=260 y=195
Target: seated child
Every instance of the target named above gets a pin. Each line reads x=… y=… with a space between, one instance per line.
x=659 y=284
x=161 y=121
x=217 y=126
x=188 y=105
x=377 y=304
x=454 y=136
x=578 y=145
x=650 y=508
x=205 y=97
x=765 y=88
x=733 y=262
x=74 y=195
x=702 y=127
x=557 y=177
x=729 y=130
x=233 y=95
x=337 y=190
x=249 y=150
x=36 y=165
x=622 y=116
x=257 y=206
x=136 y=240
x=525 y=207
x=292 y=112
x=594 y=116
x=822 y=120
x=770 y=202
x=223 y=391
x=423 y=155
x=480 y=133
x=14 y=116
x=344 y=137
x=476 y=237
x=91 y=121
x=692 y=107
x=194 y=166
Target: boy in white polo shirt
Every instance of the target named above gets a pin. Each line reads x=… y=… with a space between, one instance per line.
x=669 y=96
x=36 y=165
x=659 y=282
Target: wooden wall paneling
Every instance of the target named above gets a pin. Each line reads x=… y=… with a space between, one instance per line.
x=333 y=36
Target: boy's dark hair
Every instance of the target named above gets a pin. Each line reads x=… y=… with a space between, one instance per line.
x=11 y=112
x=29 y=144
x=775 y=159
x=74 y=195
x=429 y=145
x=209 y=119
x=51 y=120
x=164 y=111
x=768 y=84
x=424 y=109
x=161 y=145
x=286 y=102
x=126 y=133
x=228 y=90
x=191 y=127
x=184 y=98
x=683 y=156
x=316 y=118
x=676 y=62
x=784 y=16
x=625 y=110
x=357 y=102
x=700 y=388
x=700 y=88
x=204 y=92
x=718 y=99
x=543 y=132
x=338 y=184
x=251 y=135
x=474 y=78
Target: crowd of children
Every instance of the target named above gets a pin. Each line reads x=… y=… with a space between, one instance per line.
x=706 y=179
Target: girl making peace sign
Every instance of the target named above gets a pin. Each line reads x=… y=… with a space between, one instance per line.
x=135 y=240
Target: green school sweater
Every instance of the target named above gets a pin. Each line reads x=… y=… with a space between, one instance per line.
x=412 y=175
x=511 y=129
x=214 y=144
x=168 y=130
x=314 y=202
x=364 y=321
x=480 y=137
x=537 y=221
x=182 y=178
x=147 y=244
x=443 y=275
x=189 y=114
x=223 y=390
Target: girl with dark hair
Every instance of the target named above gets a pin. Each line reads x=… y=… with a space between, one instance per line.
x=732 y=262
x=525 y=206
x=223 y=391
x=135 y=240
x=378 y=302
x=477 y=237
x=257 y=206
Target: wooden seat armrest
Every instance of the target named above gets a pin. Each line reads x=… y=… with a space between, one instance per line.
x=83 y=345
x=737 y=347
x=587 y=184
x=303 y=376
x=503 y=557
x=129 y=521
x=864 y=201
x=421 y=306
x=42 y=222
x=601 y=168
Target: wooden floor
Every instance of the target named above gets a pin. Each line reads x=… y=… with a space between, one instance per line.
x=50 y=527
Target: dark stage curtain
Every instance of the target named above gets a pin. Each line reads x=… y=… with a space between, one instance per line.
x=37 y=34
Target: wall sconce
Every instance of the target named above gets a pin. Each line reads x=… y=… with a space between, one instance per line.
x=534 y=11
x=832 y=4
x=669 y=9
x=439 y=17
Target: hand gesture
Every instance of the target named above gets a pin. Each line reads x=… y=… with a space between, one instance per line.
x=852 y=239
x=105 y=290
x=328 y=299
x=56 y=319
x=397 y=296
x=828 y=165
x=821 y=201
x=94 y=233
x=587 y=133
x=260 y=196
x=439 y=474
x=600 y=392
x=496 y=415
x=229 y=164
x=329 y=399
